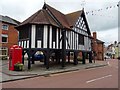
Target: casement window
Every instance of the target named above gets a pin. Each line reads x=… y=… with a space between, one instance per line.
x=81 y=39
x=4 y=38
x=5 y=27
x=54 y=34
x=39 y=32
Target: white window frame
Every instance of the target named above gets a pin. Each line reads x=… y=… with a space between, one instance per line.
x=4 y=35
x=1 y=50
x=6 y=27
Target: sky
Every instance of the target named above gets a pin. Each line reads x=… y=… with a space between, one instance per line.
x=104 y=22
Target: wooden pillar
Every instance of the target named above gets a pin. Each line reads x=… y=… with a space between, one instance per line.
x=47 y=59
x=75 y=58
x=90 y=57
x=68 y=57
x=83 y=58
x=29 y=60
x=57 y=56
x=29 y=51
x=33 y=61
x=63 y=47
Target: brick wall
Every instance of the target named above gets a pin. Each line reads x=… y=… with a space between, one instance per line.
x=12 y=36
x=98 y=48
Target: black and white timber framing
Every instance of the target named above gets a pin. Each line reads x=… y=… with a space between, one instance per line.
x=58 y=39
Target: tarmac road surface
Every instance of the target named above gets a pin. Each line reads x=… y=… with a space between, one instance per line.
x=99 y=77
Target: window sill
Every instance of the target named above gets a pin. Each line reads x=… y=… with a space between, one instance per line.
x=5 y=29
x=4 y=42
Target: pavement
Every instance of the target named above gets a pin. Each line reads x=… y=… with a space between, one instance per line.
x=38 y=69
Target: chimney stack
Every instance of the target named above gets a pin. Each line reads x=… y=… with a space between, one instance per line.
x=95 y=35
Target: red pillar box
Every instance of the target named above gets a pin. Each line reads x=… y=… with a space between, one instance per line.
x=15 y=56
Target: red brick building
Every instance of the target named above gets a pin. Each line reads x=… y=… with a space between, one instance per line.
x=97 y=47
x=8 y=34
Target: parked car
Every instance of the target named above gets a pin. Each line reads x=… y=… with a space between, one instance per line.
x=106 y=57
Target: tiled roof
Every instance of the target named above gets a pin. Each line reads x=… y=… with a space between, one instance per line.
x=40 y=17
x=60 y=17
x=8 y=20
x=73 y=17
x=99 y=41
x=49 y=15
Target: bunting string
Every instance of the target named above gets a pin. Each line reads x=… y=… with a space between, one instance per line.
x=93 y=12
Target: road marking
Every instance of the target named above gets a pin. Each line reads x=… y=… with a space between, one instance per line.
x=98 y=79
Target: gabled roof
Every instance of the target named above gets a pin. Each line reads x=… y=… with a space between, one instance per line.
x=60 y=17
x=9 y=20
x=49 y=15
x=99 y=41
x=40 y=17
x=73 y=17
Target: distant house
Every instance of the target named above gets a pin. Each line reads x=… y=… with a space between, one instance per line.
x=113 y=50
x=97 y=47
x=8 y=35
x=50 y=31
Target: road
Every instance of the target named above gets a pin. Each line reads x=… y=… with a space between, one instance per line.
x=100 y=77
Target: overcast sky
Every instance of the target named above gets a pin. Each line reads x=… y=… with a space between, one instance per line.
x=104 y=22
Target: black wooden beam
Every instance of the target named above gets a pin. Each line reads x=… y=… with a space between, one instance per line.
x=30 y=36
x=63 y=47
x=75 y=58
x=47 y=59
x=83 y=58
x=68 y=57
x=90 y=57
x=29 y=59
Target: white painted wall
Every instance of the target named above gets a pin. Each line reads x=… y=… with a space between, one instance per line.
x=27 y=43
x=45 y=36
x=19 y=43
x=24 y=44
x=33 y=33
x=50 y=39
x=54 y=45
x=57 y=38
x=39 y=44
x=73 y=41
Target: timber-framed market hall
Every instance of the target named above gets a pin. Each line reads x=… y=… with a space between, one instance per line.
x=55 y=33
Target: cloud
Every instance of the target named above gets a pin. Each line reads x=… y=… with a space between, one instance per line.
x=108 y=36
x=104 y=19
x=20 y=9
